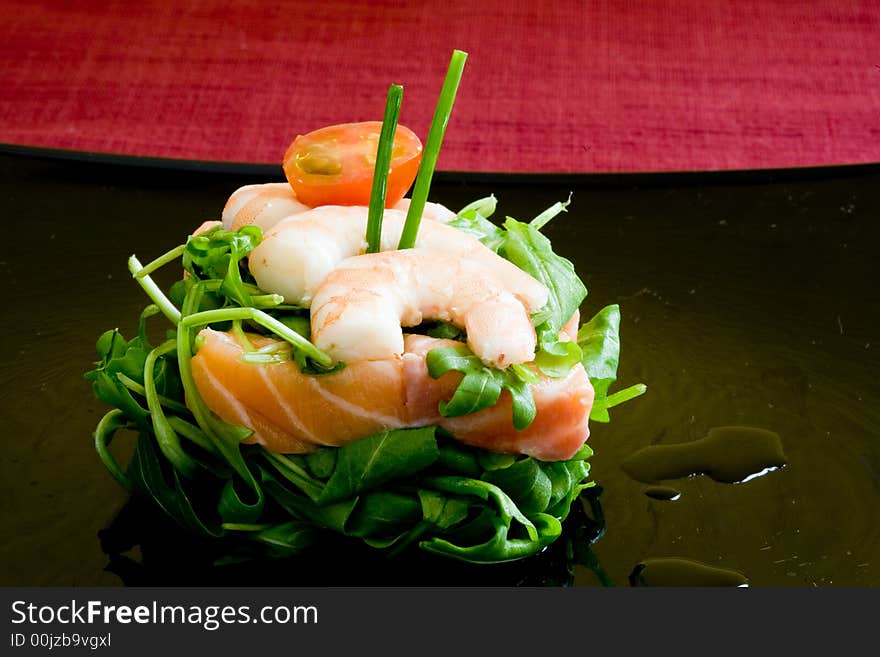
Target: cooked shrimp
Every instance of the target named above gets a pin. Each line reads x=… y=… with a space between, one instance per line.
x=261 y=205
x=267 y=204
x=205 y=226
x=301 y=251
x=432 y=211
x=358 y=310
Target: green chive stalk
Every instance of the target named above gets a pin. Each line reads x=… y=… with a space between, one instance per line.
x=383 y=163
x=432 y=150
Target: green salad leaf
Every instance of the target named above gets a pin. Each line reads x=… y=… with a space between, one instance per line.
x=216 y=253
x=532 y=252
x=481 y=385
x=599 y=340
x=122 y=361
x=373 y=461
x=287 y=538
x=473 y=219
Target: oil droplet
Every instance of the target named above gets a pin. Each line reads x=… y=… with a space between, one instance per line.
x=675 y=571
x=666 y=493
x=727 y=454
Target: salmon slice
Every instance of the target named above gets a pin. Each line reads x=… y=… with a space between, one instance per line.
x=561 y=423
x=292 y=412
x=331 y=409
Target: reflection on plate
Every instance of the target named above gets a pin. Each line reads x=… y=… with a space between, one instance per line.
x=144 y=548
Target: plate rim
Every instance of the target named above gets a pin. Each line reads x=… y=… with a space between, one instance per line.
x=580 y=179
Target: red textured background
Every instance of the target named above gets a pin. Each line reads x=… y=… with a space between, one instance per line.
x=549 y=86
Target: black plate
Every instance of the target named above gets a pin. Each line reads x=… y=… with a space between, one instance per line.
x=748 y=299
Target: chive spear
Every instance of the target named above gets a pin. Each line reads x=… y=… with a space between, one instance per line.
x=432 y=150
x=383 y=163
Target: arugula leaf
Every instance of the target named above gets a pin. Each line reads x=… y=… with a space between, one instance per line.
x=599 y=340
x=120 y=360
x=567 y=480
x=526 y=483
x=110 y=390
x=441 y=510
x=443 y=330
x=541 y=529
x=288 y=538
x=232 y=507
x=322 y=462
x=485 y=207
x=457 y=459
x=481 y=385
x=145 y=472
x=532 y=252
x=506 y=508
x=477 y=390
x=215 y=254
x=578 y=476
x=370 y=462
x=473 y=219
x=495 y=461
x=106 y=430
x=555 y=357
x=383 y=514
x=561 y=481
x=294 y=470
x=330 y=516
x=500 y=547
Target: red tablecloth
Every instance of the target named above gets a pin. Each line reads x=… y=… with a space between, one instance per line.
x=548 y=87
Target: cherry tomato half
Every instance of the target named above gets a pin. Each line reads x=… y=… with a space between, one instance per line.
x=334 y=165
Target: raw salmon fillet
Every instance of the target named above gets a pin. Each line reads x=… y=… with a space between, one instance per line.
x=291 y=412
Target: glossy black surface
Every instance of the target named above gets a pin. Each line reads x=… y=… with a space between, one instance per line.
x=747 y=301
